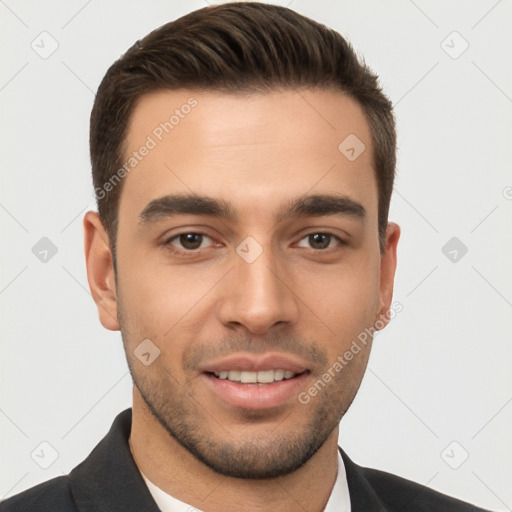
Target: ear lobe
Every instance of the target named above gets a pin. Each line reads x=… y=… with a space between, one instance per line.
x=100 y=270
x=387 y=273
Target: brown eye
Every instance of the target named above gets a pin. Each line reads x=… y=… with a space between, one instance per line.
x=187 y=241
x=191 y=240
x=320 y=241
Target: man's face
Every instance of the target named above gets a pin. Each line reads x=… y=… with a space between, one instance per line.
x=261 y=290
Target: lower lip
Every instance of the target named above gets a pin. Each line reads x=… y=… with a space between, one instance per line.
x=256 y=396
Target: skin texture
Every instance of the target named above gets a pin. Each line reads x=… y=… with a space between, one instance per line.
x=298 y=299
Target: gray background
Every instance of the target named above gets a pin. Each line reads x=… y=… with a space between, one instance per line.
x=438 y=386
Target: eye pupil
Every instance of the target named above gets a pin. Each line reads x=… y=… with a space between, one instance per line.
x=319 y=240
x=191 y=240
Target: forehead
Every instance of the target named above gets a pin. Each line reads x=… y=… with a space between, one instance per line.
x=253 y=151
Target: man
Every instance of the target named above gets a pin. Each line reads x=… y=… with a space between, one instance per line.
x=243 y=162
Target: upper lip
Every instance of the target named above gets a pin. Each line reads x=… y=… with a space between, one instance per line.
x=252 y=363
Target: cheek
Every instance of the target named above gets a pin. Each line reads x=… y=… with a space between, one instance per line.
x=344 y=297
x=160 y=299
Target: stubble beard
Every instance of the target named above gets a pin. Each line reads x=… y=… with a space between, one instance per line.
x=273 y=453
x=266 y=456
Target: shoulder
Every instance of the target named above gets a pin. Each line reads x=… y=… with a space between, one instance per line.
x=398 y=493
x=55 y=494
x=372 y=489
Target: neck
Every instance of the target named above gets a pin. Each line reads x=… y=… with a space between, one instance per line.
x=177 y=472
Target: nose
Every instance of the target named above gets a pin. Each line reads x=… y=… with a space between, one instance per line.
x=259 y=295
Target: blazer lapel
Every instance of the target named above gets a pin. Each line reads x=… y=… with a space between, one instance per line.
x=362 y=496
x=108 y=479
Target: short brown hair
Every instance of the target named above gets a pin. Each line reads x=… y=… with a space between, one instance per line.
x=238 y=47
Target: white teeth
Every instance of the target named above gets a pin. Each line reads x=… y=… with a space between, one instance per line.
x=262 y=377
x=248 y=377
x=234 y=375
x=278 y=374
x=266 y=376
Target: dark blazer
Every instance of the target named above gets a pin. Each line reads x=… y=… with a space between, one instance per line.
x=108 y=481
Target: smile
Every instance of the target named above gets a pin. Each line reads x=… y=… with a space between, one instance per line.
x=261 y=377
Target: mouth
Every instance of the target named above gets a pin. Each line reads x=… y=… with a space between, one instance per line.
x=248 y=382
x=260 y=377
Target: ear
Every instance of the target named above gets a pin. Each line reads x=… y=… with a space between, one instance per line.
x=100 y=270
x=387 y=273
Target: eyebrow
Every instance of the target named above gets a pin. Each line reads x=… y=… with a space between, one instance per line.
x=316 y=205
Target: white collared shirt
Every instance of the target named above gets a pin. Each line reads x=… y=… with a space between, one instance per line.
x=339 y=500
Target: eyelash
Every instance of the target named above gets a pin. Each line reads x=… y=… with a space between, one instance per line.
x=168 y=242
